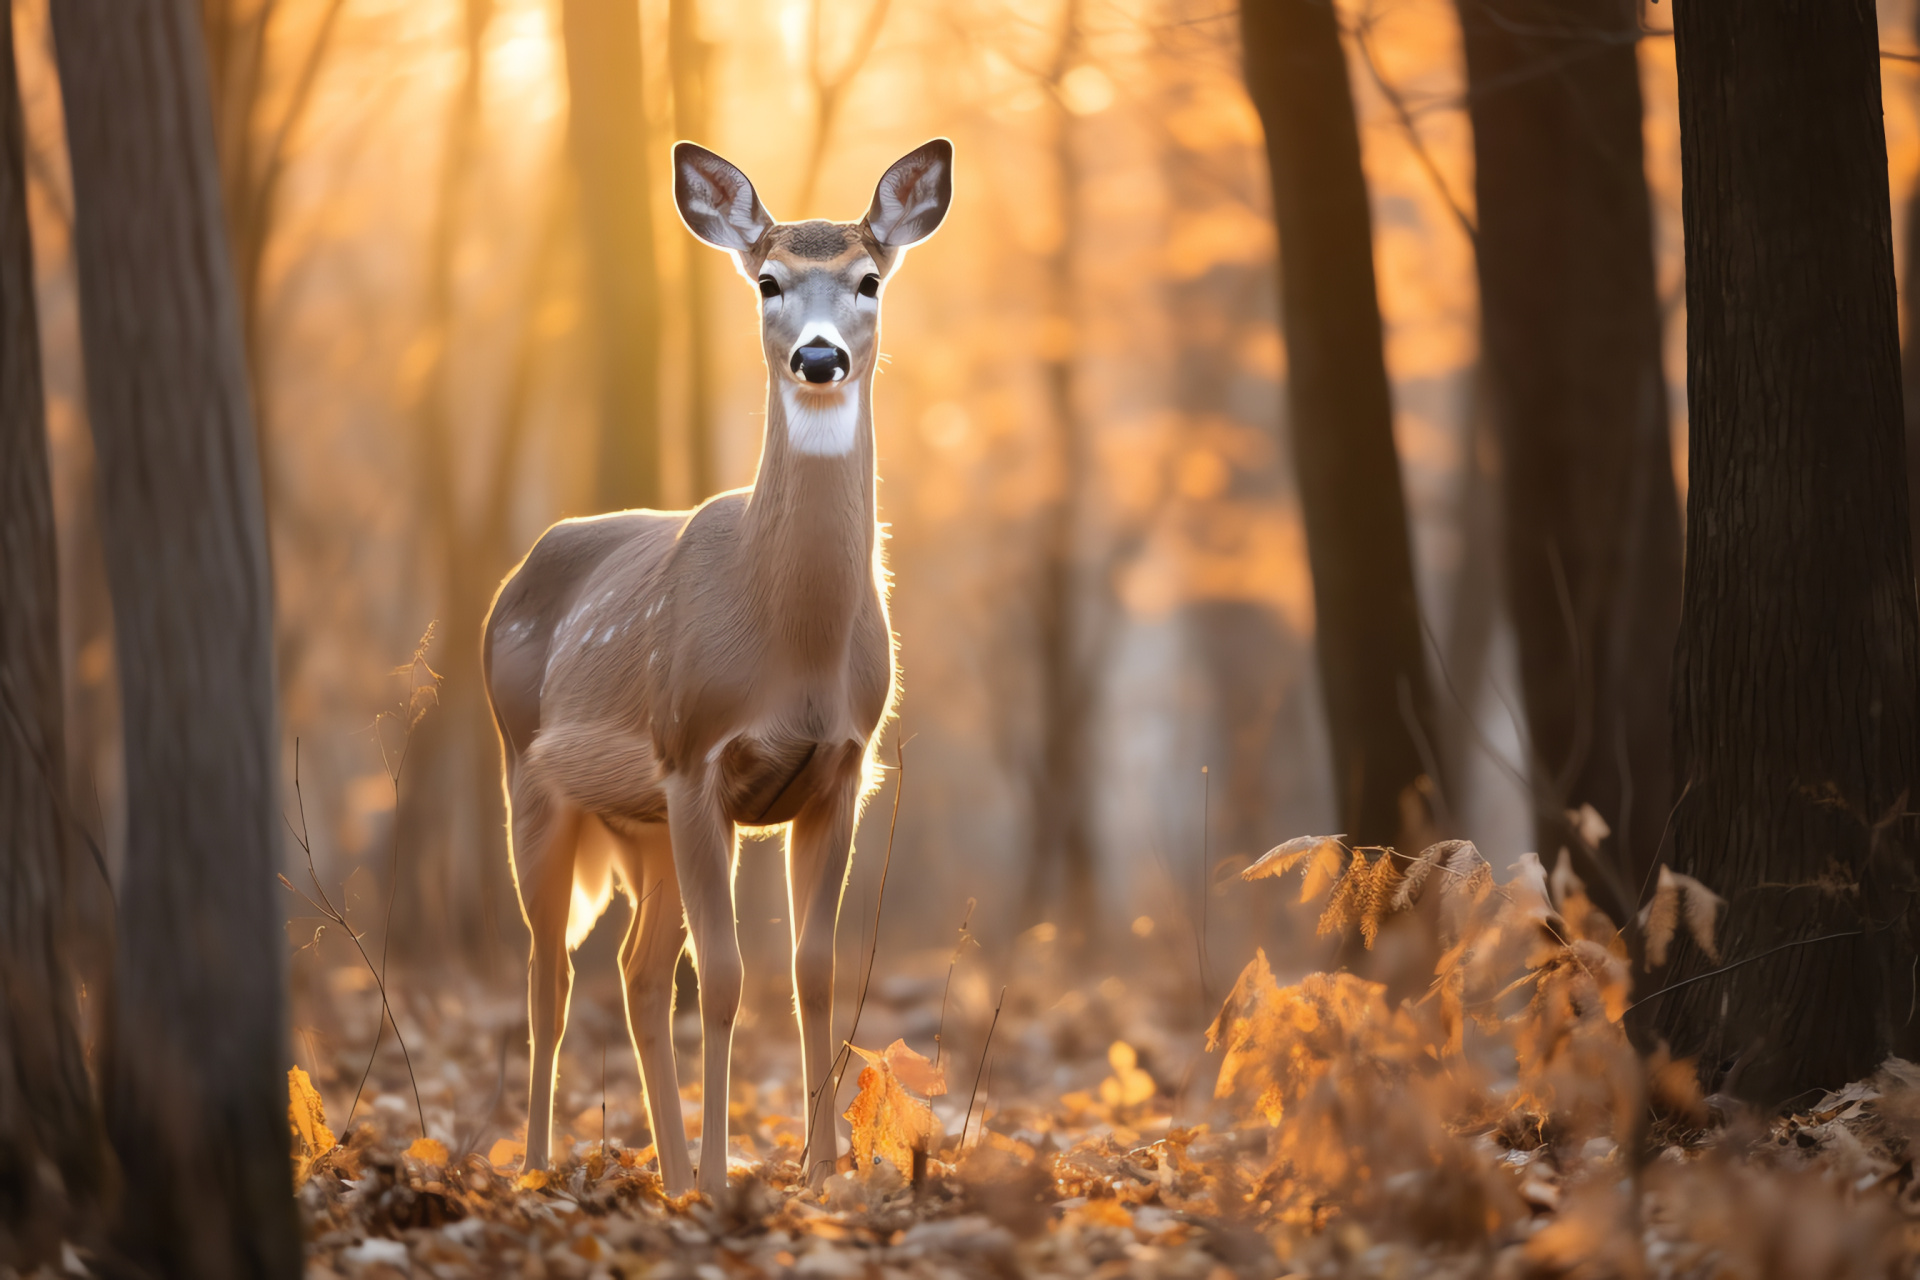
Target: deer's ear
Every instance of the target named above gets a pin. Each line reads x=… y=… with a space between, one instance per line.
x=716 y=201
x=911 y=201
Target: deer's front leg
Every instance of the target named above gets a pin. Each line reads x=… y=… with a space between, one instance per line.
x=817 y=851
x=703 y=857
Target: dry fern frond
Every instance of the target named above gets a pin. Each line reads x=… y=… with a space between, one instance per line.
x=1343 y=907
x=1677 y=896
x=1423 y=866
x=1376 y=899
x=1289 y=854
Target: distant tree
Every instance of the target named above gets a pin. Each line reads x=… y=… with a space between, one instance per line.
x=1571 y=325
x=47 y=1115
x=608 y=127
x=1340 y=416
x=691 y=59
x=1794 y=686
x=194 y=1083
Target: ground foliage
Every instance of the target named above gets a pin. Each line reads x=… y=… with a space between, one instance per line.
x=1497 y=1124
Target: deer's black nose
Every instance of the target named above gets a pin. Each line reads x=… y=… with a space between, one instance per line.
x=822 y=363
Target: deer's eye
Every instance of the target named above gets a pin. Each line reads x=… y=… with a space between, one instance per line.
x=769 y=287
x=870 y=285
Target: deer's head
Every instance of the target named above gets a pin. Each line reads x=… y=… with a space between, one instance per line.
x=819 y=283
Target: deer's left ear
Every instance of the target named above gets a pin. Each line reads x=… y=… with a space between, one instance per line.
x=911 y=201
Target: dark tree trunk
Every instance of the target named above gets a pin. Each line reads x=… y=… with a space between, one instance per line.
x=1910 y=353
x=692 y=60
x=1794 y=698
x=1340 y=414
x=1571 y=324
x=608 y=127
x=195 y=1101
x=47 y=1115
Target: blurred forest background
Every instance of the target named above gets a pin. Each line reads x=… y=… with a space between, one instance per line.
x=470 y=310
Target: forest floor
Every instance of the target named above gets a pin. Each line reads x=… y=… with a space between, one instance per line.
x=1329 y=1133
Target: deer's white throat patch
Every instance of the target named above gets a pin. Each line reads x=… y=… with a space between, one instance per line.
x=821 y=425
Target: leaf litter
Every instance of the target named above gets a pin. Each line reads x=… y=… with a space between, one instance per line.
x=1497 y=1123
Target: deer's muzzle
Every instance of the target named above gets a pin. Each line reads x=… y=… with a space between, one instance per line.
x=821 y=362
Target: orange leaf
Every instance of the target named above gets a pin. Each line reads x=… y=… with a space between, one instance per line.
x=534 y=1179
x=502 y=1154
x=888 y=1122
x=428 y=1151
x=307 y=1115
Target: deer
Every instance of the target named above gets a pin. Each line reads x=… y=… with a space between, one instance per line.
x=663 y=680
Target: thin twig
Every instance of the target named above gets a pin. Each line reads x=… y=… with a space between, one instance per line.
x=1725 y=968
x=324 y=905
x=940 y=1029
x=968 y=1118
x=1200 y=934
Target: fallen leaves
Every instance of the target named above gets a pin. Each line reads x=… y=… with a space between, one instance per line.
x=307 y=1116
x=889 y=1123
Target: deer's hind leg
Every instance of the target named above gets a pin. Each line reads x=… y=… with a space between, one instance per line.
x=647 y=959
x=545 y=836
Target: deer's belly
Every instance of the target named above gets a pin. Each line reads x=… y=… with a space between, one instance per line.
x=768 y=780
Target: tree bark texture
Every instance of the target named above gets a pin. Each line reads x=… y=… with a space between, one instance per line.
x=1340 y=415
x=52 y=1146
x=608 y=128
x=1571 y=328
x=195 y=1101
x=1910 y=351
x=1794 y=697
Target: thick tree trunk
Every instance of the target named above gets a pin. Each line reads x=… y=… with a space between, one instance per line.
x=195 y=1100
x=1794 y=697
x=608 y=125
x=1340 y=415
x=1571 y=324
x=1910 y=352
x=48 y=1120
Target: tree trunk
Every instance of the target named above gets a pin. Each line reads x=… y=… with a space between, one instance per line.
x=1061 y=883
x=195 y=1100
x=1794 y=698
x=1571 y=324
x=608 y=127
x=1340 y=414
x=692 y=60
x=47 y=1114
x=1910 y=352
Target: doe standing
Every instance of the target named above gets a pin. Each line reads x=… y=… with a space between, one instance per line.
x=661 y=679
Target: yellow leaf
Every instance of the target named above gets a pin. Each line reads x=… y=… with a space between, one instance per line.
x=504 y=1153
x=534 y=1180
x=307 y=1114
x=1128 y=1086
x=888 y=1122
x=428 y=1151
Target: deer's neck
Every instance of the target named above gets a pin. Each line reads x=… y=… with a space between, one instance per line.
x=809 y=527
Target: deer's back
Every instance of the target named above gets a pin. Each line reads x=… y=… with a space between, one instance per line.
x=541 y=593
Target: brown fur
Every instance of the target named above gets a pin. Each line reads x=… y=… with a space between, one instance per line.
x=660 y=679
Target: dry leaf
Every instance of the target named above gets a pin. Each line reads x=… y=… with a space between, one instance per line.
x=1283 y=858
x=308 y=1118
x=1589 y=825
x=1128 y=1086
x=910 y=1067
x=888 y=1122
x=1675 y=897
x=534 y=1180
x=428 y=1151
x=1431 y=858
x=505 y=1153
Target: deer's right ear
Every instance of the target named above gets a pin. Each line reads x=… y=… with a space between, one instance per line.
x=716 y=201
